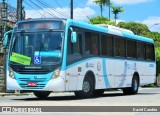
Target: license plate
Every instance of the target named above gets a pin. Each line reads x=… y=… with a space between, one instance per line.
x=32 y=84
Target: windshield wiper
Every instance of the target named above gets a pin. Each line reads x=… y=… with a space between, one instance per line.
x=44 y=40
x=16 y=37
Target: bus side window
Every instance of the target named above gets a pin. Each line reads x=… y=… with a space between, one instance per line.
x=95 y=47
x=106 y=45
x=141 y=51
x=77 y=47
x=150 y=52
x=91 y=43
x=88 y=43
x=119 y=47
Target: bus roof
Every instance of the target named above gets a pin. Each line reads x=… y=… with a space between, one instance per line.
x=112 y=31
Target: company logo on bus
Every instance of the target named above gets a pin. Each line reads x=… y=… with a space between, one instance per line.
x=89 y=65
x=99 y=66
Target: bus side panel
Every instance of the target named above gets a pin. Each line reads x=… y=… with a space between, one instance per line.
x=72 y=78
x=106 y=79
x=146 y=72
x=130 y=70
x=120 y=73
x=77 y=71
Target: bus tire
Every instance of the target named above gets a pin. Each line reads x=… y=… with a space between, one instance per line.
x=87 y=88
x=134 y=88
x=98 y=92
x=41 y=94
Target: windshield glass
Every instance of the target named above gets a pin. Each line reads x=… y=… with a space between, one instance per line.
x=38 y=48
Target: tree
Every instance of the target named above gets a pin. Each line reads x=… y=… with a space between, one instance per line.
x=102 y=3
x=100 y=20
x=136 y=28
x=116 y=11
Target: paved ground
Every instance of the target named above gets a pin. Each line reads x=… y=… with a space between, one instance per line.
x=145 y=97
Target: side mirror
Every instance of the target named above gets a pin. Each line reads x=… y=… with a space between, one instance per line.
x=5 y=41
x=74 y=37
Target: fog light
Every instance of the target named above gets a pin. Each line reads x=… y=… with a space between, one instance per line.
x=11 y=74
x=56 y=73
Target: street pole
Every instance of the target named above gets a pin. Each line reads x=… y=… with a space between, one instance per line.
x=71 y=12
x=19 y=10
x=4 y=16
x=109 y=9
x=2 y=49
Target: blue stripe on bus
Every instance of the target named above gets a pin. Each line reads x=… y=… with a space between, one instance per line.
x=105 y=73
x=136 y=37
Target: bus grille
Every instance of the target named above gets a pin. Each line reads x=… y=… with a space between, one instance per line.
x=32 y=71
x=40 y=80
x=36 y=80
x=39 y=86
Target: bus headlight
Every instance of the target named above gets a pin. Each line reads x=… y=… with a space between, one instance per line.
x=56 y=73
x=11 y=74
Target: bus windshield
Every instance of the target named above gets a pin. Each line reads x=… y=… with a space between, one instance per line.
x=36 y=48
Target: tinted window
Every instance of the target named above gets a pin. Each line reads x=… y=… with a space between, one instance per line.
x=150 y=52
x=95 y=49
x=77 y=47
x=141 y=50
x=88 y=43
x=104 y=45
x=107 y=45
x=119 y=47
x=91 y=43
x=131 y=49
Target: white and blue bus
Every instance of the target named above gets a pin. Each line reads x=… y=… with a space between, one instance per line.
x=47 y=55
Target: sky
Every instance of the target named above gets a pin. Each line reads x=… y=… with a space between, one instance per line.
x=143 y=11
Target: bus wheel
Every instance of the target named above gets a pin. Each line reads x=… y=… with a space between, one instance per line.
x=87 y=88
x=41 y=94
x=98 y=92
x=134 y=89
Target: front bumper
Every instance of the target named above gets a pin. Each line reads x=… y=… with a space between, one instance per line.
x=44 y=82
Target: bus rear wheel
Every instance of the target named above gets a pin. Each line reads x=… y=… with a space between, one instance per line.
x=87 y=88
x=41 y=94
x=134 y=88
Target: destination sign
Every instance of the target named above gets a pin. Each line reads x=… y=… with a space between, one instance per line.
x=37 y=25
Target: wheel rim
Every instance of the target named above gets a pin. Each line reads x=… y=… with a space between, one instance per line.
x=86 y=86
x=135 y=85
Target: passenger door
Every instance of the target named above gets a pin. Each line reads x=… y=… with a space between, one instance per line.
x=74 y=54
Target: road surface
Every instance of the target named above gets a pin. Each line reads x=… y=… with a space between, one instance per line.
x=145 y=97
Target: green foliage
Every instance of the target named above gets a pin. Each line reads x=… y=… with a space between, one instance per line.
x=136 y=28
x=102 y=3
x=100 y=20
x=116 y=11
